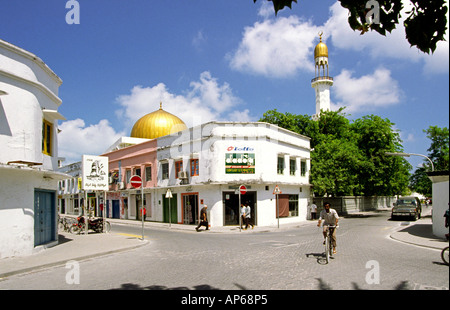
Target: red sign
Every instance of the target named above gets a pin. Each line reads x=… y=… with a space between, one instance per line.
x=242 y=189
x=136 y=181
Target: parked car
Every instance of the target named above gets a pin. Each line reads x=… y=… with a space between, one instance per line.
x=407 y=207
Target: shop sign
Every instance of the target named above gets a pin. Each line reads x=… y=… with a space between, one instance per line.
x=94 y=173
x=240 y=163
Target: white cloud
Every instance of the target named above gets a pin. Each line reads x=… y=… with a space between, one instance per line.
x=282 y=46
x=367 y=92
x=394 y=45
x=276 y=48
x=76 y=139
x=206 y=100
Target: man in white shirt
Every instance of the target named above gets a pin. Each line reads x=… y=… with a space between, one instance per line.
x=313 y=211
x=330 y=217
x=248 y=217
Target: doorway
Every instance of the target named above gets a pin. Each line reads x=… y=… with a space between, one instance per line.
x=190 y=208
x=44 y=217
x=170 y=204
x=231 y=207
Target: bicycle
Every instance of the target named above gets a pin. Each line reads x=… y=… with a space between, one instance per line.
x=444 y=255
x=328 y=242
x=64 y=224
x=444 y=252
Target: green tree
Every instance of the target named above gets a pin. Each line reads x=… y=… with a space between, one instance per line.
x=420 y=183
x=348 y=158
x=382 y=175
x=439 y=155
x=425 y=24
x=439 y=148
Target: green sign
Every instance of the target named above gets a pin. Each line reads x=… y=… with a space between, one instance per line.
x=240 y=163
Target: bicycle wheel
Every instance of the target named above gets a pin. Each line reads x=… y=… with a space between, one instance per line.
x=327 y=249
x=444 y=255
x=107 y=227
x=75 y=229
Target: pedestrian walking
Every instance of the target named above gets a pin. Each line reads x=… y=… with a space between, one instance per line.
x=203 y=220
x=144 y=213
x=313 y=211
x=242 y=215
x=248 y=217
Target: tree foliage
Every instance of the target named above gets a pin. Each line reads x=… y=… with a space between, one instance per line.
x=425 y=24
x=348 y=157
x=439 y=155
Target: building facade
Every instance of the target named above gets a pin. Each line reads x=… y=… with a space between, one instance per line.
x=29 y=117
x=205 y=165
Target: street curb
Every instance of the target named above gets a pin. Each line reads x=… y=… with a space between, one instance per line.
x=64 y=261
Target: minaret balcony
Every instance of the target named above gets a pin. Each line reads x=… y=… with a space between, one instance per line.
x=322 y=78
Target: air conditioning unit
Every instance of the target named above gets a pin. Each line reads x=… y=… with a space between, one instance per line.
x=183 y=175
x=121 y=185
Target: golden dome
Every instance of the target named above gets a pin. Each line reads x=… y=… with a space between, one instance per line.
x=321 y=49
x=157 y=124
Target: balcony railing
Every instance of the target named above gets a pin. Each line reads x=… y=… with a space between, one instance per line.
x=319 y=78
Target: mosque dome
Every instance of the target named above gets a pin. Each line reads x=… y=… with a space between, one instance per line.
x=321 y=49
x=157 y=124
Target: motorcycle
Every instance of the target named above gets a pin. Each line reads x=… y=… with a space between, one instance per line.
x=96 y=224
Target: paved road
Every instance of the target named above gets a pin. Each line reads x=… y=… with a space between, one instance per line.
x=290 y=259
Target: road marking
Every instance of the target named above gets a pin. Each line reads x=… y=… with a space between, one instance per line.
x=130 y=235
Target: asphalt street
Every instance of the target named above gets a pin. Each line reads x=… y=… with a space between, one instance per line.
x=367 y=259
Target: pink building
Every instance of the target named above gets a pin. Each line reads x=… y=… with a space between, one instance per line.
x=138 y=159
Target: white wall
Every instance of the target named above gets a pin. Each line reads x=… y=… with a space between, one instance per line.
x=17 y=209
x=440 y=205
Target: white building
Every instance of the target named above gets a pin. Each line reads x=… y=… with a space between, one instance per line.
x=441 y=200
x=206 y=164
x=29 y=155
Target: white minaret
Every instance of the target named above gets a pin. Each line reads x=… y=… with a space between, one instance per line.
x=322 y=82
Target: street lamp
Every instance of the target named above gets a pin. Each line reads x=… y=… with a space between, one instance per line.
x=408 y=155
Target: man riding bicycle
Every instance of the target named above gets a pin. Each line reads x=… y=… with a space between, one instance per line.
x=330 y=217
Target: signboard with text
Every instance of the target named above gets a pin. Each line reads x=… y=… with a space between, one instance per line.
x=94 y=173
x=240 y=163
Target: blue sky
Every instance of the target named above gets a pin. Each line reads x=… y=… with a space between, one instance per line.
x=221 y=60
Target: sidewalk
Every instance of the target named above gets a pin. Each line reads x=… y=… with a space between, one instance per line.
x=70 y=247
x=79 y=247
x=420 y=233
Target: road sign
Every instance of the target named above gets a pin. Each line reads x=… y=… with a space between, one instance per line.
x=169 y=193
x=277 y=190
x=136 y=181
x=242 y=189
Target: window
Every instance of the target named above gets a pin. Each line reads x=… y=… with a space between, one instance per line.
x=178 y=167
x=47 y=129
x=128 y=176
x=137 y=171
x=292 y=167
x=280 y=165
x=148 y=173
x=287 y=205
x=165 y=170
x=194 y=167
x=293 y=205
x=303 y=168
